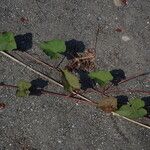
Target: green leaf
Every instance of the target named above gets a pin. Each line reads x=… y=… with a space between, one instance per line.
x=7 y=41
x=70 y=81
x=23 y=85
x=101 y=77
x=137 y=103
x=53 y=48
x=134 y=109
x=22 y=93
x=142 y=112
x=23 y=88
x=125 y=110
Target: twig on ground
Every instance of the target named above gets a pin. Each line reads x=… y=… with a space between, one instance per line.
x=41 y=74
x=130 y=120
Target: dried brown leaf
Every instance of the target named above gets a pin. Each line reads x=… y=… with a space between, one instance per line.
x=108 y=104
x=84 y=61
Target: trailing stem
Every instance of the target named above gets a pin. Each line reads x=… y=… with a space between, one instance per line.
x=56 y=94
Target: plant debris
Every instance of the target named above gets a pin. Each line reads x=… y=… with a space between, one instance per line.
x=108 y=104
x=119 y=3
x=2 y=106
x=83 y=61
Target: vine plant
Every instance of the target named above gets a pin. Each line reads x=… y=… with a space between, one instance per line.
x=104 y=82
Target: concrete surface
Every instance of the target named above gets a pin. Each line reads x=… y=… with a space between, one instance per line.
x=50 y=123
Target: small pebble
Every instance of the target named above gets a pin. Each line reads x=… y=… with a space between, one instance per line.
x=59 y=141
x=125 y=38
x=119 y=3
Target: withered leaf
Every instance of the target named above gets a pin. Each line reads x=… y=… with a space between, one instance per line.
x=108 y=104
x=83 y=61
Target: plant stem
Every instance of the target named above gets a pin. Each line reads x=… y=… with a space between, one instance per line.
x=100 y=92
x=108 y=87
x=130 y=90
x=40 y=74
x=69 y=97
x=131 y=78
x=7 y=85
x=135 y=122
x=42 y=62
x=53 y=93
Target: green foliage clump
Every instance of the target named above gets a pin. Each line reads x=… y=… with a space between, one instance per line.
x=23 y=88
x=53 y=48
x=7 y=41
x=101 y=77
x=134 y=109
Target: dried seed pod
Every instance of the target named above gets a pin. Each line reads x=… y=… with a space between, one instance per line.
x=83 y=61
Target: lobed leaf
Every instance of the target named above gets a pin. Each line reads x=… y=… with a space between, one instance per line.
x=7 y=41
x=53 y=48
x=134 y=109
x=137 y=103
x=101 y=77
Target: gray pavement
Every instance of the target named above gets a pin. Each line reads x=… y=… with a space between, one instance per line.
x=50 y=123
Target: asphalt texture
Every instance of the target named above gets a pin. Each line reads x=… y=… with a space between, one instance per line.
x=54 y=123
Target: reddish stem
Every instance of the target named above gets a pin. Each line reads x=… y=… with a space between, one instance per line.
x=100 y=92
x=129 y=90
x=131 y=78
x=68 y=97
x=109 y=86
x=42 y=62
x=53 y=93
x=7 y=85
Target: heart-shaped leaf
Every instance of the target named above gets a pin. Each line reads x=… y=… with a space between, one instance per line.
x=23 y=88
x=101 y=77
x=53 y=48
x=134 y=109
x=70 y=81
x=7 y=41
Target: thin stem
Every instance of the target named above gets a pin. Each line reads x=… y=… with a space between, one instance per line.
x=42 y=62
x=135 y=122
x=130 y=90
x=68 y=97
x=100 y=92
x=7 y=85
x=53 y=93
x=31 y=69
x=131 y=78
x=108 y=87
x=40 y=74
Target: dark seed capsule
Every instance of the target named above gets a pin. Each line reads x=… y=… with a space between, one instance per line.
x=118 y=30
x=125 y=2
x=2 y=106
x=24 y=20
